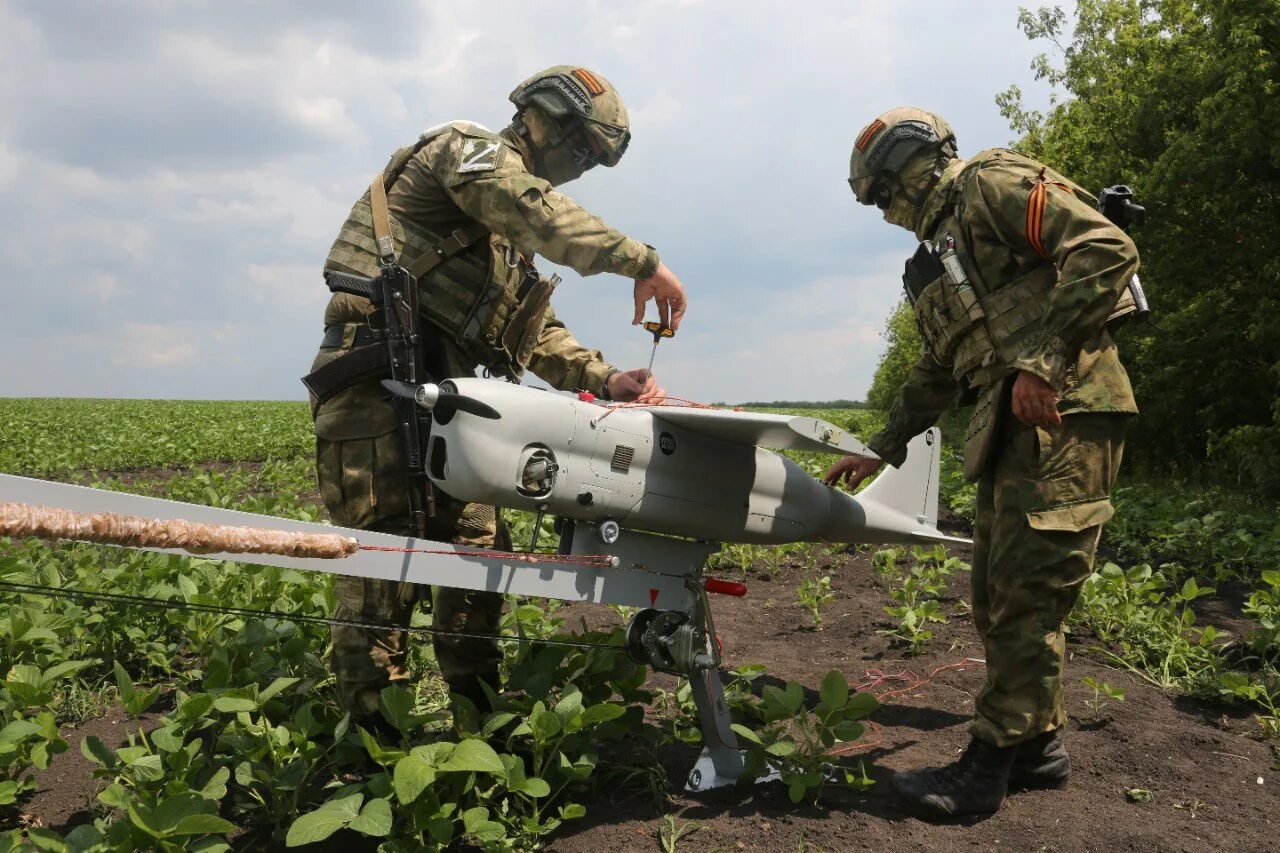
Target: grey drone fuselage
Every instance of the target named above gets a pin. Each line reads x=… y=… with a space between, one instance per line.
x=690 y=472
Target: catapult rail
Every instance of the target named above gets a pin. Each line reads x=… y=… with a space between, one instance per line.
x=645 y=577
x=663 y=576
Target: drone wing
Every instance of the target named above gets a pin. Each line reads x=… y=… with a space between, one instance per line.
x=777 y=432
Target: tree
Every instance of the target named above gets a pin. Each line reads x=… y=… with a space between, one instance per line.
x=903 y=337
x=1179 y=99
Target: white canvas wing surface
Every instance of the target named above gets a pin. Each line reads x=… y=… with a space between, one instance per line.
x=776 y=432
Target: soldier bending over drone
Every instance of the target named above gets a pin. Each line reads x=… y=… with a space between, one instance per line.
x=463 y=211
x=1013 y=289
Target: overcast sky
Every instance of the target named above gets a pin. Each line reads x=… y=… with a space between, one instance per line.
x=173 y=173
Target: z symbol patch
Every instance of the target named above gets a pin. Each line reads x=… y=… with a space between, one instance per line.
x=479 y=156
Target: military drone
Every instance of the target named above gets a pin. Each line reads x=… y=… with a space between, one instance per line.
x=652 y=490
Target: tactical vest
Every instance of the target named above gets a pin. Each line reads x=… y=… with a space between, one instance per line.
x=477 y=288
x=978 y=326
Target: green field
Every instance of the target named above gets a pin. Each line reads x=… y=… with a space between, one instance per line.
x=249 y=745
x=51 y=436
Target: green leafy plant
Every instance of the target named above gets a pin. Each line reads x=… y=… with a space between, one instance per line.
x=885 y=561
x=917 y=602
x=672 y=831
x=29 y=735
x=1147 y=628
x=1264 y=606
x=135 y=701
x=26 y=742
x=735 y=557
x=1103 y=693
x=813 y=595
x=347 y=810
x=795 y=741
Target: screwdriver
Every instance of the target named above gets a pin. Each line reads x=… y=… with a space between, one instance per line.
x=659 y=332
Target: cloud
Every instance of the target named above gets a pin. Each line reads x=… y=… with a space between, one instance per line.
x=172 y=175
x=149 y=345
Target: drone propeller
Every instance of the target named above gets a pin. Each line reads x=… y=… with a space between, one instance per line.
x=443 y=404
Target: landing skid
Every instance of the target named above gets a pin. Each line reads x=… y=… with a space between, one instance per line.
x=704 y=777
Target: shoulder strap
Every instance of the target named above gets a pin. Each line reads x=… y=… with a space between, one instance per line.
x=378 y=199
x=460 y=239
x=382 y=220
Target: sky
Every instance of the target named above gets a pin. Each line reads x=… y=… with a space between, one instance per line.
x=173 y=173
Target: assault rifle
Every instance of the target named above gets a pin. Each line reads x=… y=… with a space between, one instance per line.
x=395 y=328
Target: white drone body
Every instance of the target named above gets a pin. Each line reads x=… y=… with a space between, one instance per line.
x=693 y=472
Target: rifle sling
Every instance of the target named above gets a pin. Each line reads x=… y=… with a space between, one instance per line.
x=445 y=248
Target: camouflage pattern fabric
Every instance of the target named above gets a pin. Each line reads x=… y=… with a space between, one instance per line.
x=462 y=176
x=466 y=175
x=1040 y=510
x=1043 y=493
x=1069 y=346
x=497 y=189
x=364 y=661
x=361 y=469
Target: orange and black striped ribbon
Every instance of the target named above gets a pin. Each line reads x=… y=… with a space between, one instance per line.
x=588 y=79
x=867 y=134
x=1035 y=218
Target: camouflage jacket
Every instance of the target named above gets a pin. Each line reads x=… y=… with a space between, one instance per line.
x=466 y=175
x=1071 y=348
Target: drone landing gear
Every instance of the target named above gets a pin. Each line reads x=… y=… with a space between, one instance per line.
x=671 y=641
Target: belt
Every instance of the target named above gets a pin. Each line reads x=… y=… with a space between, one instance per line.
x=335 y=334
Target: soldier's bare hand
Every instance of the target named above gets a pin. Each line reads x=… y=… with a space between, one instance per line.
x=666 y=291
x=852 y=469
x=1035 y=403
x=636 y=386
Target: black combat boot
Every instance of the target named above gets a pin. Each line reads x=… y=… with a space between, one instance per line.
x=976 y=783
x=1041 y=762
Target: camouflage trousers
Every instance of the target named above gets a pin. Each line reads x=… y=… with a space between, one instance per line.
x=363 y=482
x=1040 y=510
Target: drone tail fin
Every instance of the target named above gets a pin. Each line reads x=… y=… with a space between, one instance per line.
x=901 y=504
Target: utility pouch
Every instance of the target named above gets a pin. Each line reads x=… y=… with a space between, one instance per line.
x=951 y=322
x=984 y=428
x=922 y=269
x=529 y=319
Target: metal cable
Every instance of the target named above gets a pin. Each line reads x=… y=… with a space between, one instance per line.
x=190 y=606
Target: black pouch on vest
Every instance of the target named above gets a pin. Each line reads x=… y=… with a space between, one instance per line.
x=921 y=270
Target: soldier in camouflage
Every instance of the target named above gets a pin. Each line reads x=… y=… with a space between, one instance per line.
x=1015 y=290
x=465 y=210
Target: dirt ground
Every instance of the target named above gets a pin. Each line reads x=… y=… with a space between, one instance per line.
x=1213 y=785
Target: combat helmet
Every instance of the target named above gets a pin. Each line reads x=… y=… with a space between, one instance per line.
x=580 y=105
x=888 y=144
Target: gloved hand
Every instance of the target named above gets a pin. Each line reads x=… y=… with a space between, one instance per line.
x=635 y=386
x=852 y=469
x=664 y=289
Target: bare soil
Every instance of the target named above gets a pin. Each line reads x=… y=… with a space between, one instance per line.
x=67 y=796
x=158 y=475
x=1214 y=785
